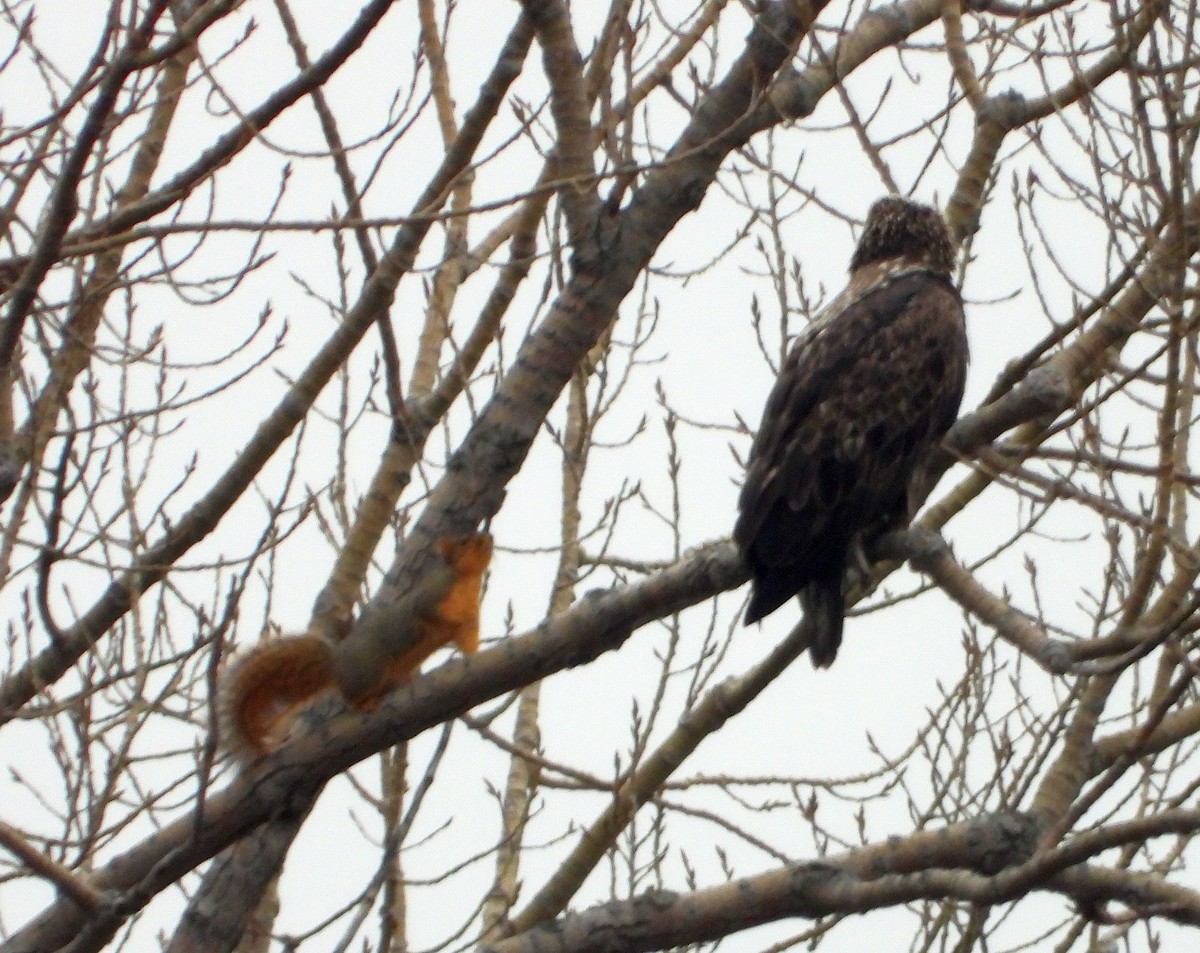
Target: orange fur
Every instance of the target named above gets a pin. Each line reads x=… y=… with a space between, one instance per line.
x=458 y=613
x=261 y=692
x=454 y=619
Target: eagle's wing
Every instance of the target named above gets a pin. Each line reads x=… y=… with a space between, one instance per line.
x=861 y=399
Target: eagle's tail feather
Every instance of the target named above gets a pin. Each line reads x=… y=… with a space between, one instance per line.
x=824 y=609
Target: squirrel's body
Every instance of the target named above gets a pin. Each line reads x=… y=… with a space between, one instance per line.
x=262 y=691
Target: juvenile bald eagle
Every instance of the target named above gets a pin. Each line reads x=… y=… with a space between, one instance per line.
x=867 y=391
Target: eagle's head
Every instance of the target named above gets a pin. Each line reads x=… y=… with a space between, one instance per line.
x=899 y=229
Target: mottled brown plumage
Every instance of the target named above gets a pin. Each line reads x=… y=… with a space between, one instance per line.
x=864 y=396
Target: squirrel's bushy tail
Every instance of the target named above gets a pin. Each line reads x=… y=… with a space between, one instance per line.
x=263 y=687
